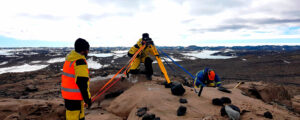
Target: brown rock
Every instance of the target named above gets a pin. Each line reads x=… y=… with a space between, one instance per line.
x=11 y=109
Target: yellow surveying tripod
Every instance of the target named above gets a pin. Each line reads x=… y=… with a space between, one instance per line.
x=126 y=69
x=160 y=64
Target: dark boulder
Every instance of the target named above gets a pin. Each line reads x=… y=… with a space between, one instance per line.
x=182 y=100
x=31 y=88
x=223 y=112
x=235 y=108
x=268 y=115
x=104 y=74
x=177 y=89
x=244 y=111
x=232 y=113
x=157 y=118
x=181 y=111
x=224 y=89
x=142 y=111
x=217 y=101
x=167 y=85
x=226 y=100
x=149 y=117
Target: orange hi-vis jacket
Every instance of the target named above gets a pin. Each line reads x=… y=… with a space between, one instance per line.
x=69 y=88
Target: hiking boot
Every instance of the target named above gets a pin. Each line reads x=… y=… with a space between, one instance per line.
x=149 y=77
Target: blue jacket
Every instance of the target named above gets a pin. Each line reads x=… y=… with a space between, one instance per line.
x=201 y=77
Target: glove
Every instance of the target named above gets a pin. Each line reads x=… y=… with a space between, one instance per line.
x=150 y=42
x=89 y=103
x=143 y=42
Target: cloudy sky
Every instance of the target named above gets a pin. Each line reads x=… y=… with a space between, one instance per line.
x=57 y=23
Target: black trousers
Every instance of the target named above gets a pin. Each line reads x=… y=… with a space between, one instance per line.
x=148 y=66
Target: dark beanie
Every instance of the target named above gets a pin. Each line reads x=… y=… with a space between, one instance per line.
x=81 y=45
x=145 y=36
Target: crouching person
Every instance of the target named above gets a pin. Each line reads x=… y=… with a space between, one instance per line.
x=206 y=77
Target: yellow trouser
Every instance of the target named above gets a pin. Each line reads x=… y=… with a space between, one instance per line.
x=136 y=63
x=74 y=110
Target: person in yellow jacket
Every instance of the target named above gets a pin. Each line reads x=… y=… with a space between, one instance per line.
x=143 y=57
x=75 y=81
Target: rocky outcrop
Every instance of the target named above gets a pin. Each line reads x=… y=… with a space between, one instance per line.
x=29 y=109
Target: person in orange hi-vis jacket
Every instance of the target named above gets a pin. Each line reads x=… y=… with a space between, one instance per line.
x=75 y=81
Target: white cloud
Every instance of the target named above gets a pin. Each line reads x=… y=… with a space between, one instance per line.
x=121 y=23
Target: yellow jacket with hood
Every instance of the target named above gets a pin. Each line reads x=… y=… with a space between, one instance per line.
x=145 y=53
x=81 y=74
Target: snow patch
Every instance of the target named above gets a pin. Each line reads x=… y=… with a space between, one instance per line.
x=22 y=68
x=120 y=52
x=3 y=63
x=168 y=60
x=101 y=54
x=30 y=53
x=34 y=62
x=8 y=52
x=106 y=65
x=115 y=54
x=56 y=60
x=206 y=54
x=93 y=64
x=5 y=52
x=287 y=62
x=228 y=50
x=13 y=56
x=118 y=56
x=191 y=58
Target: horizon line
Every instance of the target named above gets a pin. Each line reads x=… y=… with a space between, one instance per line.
x=204 y=45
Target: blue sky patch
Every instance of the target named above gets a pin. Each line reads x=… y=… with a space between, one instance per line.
x=11 y=42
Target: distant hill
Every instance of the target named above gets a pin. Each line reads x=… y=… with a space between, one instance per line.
x=194 y=47
x=188 y=48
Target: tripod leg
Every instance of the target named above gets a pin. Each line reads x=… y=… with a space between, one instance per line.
x=160 y=64
x=199 y=93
